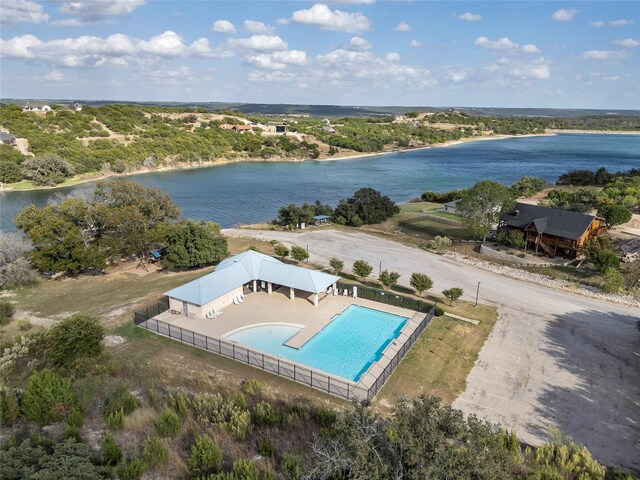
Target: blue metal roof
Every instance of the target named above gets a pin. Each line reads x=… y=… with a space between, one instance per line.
x=321 y=217
x=244 y=268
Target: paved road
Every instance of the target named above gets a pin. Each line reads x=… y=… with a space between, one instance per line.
x=554 y=359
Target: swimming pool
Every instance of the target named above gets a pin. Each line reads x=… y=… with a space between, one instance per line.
x=346 y=347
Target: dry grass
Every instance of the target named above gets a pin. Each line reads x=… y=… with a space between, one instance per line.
x=141 y=421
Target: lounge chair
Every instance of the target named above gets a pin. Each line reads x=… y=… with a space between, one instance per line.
x=235 y=301
x=240 y=299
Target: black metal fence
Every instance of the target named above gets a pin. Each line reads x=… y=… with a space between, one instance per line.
x=270 y=363
x=388 y=297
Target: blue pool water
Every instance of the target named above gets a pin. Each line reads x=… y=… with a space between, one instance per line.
x=345 y=347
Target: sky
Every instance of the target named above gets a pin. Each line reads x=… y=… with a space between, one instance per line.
x=360 y=52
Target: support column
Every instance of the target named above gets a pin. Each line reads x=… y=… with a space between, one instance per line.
x=291 y=296
x=315 y=299
x=255 y=285
x=269 y=289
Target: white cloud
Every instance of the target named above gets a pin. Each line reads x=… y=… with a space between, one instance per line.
x=54 y=76
x=415 y=44
x=393 y=57
x=259 y=42
x=540 y=72
x=403 y=27
x=470 y=17
x=117 y=49
x=223 y=26
x=320 y=15
x=276 y=60
x=604 y=55
x=502 y=44
x=623 y=22
x=457 y=75
x=14 y=12
x=598 y=24
x=611 y=78
x=257 y=27
x=564 y=14
x=530 y=48
x=87 y=12
x=626 y=42
x=359 y=43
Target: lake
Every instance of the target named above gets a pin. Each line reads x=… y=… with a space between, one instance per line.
x=253 y=192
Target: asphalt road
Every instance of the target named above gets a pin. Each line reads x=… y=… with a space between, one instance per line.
x=553 y=360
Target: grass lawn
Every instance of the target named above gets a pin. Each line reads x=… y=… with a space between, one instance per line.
x=434 y=227
x=418 y=207
x=443 y=356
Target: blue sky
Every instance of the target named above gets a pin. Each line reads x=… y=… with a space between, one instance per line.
x=366 y=52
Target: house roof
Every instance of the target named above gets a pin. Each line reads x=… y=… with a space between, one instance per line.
x=451 y=204
x=6 y=136
x=321 y=217
x=245 y=267
x=551 y=221
x=243 y=127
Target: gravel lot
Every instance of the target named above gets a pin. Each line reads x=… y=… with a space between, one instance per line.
x=554 y=359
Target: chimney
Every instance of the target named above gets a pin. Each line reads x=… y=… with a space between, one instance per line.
x=516 y=213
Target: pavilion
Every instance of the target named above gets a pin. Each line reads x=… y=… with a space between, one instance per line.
x=219 y=288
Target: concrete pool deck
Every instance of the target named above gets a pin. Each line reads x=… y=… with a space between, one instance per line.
x=261 y=308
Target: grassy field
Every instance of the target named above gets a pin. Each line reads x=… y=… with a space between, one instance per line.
x=433 y=226
x=443 y=356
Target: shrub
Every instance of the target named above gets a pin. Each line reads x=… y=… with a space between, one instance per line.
x=420 y=282
x=131 y=469
x=110 y=451
x=513 y=238
x=281 y=251
x=115 y=420
x=253 y=387
x=7 y=309
x=362 y=269
x=439 y=311
x=9 y=407
x=299 y=254
x=74 y=337
x=336 y=265
x=48 y=397
x=206 y=456
x=323 y=415
x=179 y=404
x=266 y=448
x=264 y=414
x=290 y=467
x=155 y=452
x=453 y=294
x=245 y=469
x=216 y=410
x=168 y=423
x=613 y=280
x=439 y=242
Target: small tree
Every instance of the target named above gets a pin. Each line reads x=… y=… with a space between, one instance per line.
x=281 y=251
x=613 y=280
x=614 y=214
x=168 y=423
x=194 y=244
x=388 y=279
x=362 y=269
x=453 y=294
x=420 y=282
x=74 y=337
x=439 y=242
x=299 y=254
x=205 y=458
x=336 y=265
x=48 y=397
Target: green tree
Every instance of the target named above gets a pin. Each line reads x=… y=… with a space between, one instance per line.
x=299 y=254
x=168 y=423
x=10 y=172
x=453 y=294
x=281 y=251
x=512 y=237
x=614 y=214
x=600 y=251
x=388 y=279
x=613 y=280
x=48 y=397
x=362 y=269
x=528 y=186
x=206 y=456
x=420 y=282
x=581 y=200
x=367 y=206
x=336 y=265
x=483 y=204
x=48 y=169
x=74 y=337
x=193 y=244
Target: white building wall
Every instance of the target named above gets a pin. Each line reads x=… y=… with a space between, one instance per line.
x=220 y=302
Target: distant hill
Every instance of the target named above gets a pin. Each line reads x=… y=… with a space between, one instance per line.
x=351 y=110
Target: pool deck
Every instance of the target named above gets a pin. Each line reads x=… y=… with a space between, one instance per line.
x=261 y=308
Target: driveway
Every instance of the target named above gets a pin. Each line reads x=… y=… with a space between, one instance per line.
x=554 y=359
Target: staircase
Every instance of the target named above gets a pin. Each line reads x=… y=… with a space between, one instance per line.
x=547 y=249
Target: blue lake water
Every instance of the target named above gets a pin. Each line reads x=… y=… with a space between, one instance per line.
x=346 y=347
x=253 y=192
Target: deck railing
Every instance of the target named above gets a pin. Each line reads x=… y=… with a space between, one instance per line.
x=273 y=364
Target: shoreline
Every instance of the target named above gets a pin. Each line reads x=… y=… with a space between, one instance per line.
x=224 y=161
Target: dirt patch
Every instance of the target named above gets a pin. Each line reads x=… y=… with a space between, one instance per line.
x=113 y=340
